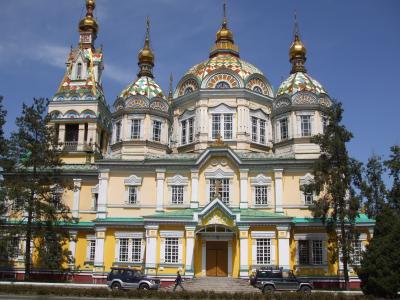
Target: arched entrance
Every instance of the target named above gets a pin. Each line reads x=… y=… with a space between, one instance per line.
x=216 y=250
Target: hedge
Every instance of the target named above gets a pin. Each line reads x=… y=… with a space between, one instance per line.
x=142 y=294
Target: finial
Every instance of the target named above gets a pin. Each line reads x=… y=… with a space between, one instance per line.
x=88 y=23
x=224 y=11
x=170 y=96
x=146 y=56
x=296 y=30
x=297 y=52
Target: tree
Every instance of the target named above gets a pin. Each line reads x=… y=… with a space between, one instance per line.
x=35 y=186
x=373 y=188
x=393 y=164
x=335 y=177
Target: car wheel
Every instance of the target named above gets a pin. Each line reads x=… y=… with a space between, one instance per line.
x=144 y=286
x=306 y=290
x=268 y=289
x=116 y=286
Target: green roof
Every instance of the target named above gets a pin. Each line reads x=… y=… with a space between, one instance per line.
x=362 y=218
x=175 y=214
x=124 y=220
x=249 y=213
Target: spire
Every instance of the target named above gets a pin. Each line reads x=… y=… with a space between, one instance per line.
x=88 y=26
x=170 y=96
x=146 y=56
x=297 y=51
x=224 y=42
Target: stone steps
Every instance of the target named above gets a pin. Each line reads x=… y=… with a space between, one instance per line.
x=216 y=284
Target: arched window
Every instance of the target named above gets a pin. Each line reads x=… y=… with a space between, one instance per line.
x=222 y=85
x=257 y=89
x=188 y=90
x=79 y=71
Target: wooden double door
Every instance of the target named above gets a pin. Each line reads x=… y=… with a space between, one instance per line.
x=217 y=258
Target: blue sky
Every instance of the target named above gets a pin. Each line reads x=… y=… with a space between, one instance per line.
x=353 y=50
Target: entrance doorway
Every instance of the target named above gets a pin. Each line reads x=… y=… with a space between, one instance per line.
x=217 y=258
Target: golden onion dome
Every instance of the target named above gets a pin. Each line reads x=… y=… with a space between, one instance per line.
x=297 y=49
x=224 y=34
x=146 y=55
x=88 y=23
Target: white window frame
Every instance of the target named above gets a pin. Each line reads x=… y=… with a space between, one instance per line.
x=95 y=197
x=136 y=182
x=90 y=243
x=136 y=137
x=306 y=180
x=256 y=119
x=186 y=131
x=263 y=181
x=299 y=116
x=279 y=131
x=132 y=238
x=178 y=180
x=165 y=235
x=223 y=111
x=118 y=132
x=263 y=235
x=219 y=174
x=305 y=131
x=312 y=240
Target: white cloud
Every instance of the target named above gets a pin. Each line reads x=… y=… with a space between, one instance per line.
x=116 y=73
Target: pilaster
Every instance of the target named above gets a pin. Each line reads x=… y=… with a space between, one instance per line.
x=72 y=248
x=278 y=175
x=244 y=178
x=99 y=251
x=284 y=247
x=194 y=201
x=160 y=176
x=77 y=195
x=103 y=194
x=189 y=270
x=151 y=249
x=244 y=248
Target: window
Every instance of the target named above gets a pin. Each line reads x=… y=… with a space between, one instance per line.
x=156 y=131
x=132 y=199
x=216 y=126
x=357 y=252
x=56 y=199
x=263 y=251
x=324 y=123
x=257 y=89
x=254 y=129
x=261 y=194
x=136 y=248
x=283 y=127
x=308 y=198
x=13 y=247
x=135 y=129
x=223 y=190
x=222 y=126
x=177 y=194
x=317 y=252
x=172 y=250
x=123 y=250
x=183 y=136
x=95 y=200
x=258 y=131
x=188 y=90
x=79 y=71
x=310 y=252
x=118 y=131
x=222 y=85
x=91 y=244
x=191 y=130
x=305 y=125
x=130 y=250
x=227 y=126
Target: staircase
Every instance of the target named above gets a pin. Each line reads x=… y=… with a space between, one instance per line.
x=216 y=284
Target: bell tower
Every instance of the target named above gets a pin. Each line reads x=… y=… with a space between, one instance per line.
x=79 y=110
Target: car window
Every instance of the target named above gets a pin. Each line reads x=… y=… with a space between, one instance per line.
x=129 y=274
x=138 y=274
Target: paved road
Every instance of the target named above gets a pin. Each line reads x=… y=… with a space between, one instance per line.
x=45 y=297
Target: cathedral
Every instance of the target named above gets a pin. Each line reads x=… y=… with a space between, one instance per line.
x=205 y=178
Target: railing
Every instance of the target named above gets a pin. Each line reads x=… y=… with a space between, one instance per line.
x=75 y=146
x=70 y=145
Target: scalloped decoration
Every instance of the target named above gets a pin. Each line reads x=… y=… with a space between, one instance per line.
x=255 y=83
x=214 y=80
x=187 y=85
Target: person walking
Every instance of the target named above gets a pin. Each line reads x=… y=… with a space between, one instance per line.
x=178 y=281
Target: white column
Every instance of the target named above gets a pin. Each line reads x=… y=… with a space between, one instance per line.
x=229 y=258
x=99 y=251
x=160 y=189
x=103 y=194
x=244 y=247
x=244 y=176
x=81 y=136
x=278 y=174
x=77 y=195
x=151 y=248
x=72 y=248
x=194 y=201
x=189 y=271
x=203 y=258
x=284 y=247
x=61 y=133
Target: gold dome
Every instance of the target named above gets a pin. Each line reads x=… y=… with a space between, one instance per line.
x=146 y=55
x=224 y=34
x=88 y=23
x=297 y=49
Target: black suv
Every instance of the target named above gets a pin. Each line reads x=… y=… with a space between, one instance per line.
x=269 y=280
x=125 y=278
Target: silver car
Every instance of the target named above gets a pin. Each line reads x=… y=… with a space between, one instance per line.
x=125 y=278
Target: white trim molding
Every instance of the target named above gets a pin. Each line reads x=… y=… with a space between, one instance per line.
x=261 y=180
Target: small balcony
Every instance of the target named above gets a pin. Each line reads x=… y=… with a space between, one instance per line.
x=75 y=146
